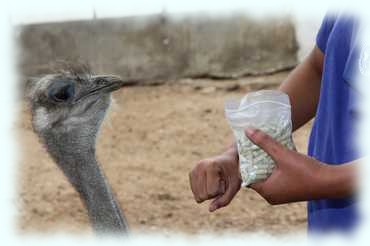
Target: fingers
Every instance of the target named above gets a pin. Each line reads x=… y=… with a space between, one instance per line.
x=214 y=185
x=267 y=143
x=195 y=179
x=224 y=199
x=205 y=181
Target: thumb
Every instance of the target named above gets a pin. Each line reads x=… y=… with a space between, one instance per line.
x=265 y=142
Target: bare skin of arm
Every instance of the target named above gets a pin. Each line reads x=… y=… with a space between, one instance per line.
x=303 y=87
x=218 y=177
x=298 y=177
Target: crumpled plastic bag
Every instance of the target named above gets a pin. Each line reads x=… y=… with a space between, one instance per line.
x=269 y=111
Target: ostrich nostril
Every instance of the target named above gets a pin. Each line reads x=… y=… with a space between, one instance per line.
x=101 y=82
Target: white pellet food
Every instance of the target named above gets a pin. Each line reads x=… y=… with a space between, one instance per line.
x=269 y=111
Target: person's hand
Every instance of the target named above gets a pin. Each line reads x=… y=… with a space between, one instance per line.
x=216 y=178
x=296 y=177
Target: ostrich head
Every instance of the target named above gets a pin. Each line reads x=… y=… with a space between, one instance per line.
x=65 y=101
x=67 y=111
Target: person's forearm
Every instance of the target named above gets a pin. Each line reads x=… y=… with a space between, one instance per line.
x=338 y=181
x=303 y=87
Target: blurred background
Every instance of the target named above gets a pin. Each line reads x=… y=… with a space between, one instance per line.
x=190 y=58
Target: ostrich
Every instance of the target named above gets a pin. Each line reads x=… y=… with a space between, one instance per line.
x=67 y=110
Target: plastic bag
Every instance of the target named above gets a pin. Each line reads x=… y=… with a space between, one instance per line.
x=269 y=111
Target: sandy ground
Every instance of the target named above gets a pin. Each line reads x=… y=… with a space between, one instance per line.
x=151 y=139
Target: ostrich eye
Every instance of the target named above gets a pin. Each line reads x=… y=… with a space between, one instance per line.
x=61 y=91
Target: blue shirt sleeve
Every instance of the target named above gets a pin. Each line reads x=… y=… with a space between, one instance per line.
x=324 y=31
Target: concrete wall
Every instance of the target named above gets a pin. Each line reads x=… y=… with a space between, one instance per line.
x=159 y=46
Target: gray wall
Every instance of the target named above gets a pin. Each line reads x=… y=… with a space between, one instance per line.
x=159 y=46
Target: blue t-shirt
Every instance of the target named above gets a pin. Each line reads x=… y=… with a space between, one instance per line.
x=332 y=135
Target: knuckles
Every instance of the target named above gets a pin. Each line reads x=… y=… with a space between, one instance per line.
x=203 y=172
x=204 y=166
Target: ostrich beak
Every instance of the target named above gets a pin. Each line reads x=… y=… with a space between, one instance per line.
x=104 y=84
x=108 y=83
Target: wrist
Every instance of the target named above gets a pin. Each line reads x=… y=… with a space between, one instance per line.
x=232 y=153
x=336 y=181
x=232 y=149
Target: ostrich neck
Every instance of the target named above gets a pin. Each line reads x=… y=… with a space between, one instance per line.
x=75 y=155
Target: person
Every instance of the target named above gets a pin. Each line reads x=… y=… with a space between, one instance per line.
x=322 y=86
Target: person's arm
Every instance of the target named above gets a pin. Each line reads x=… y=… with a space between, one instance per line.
x=303 y=87
x=207 y=178
x=298 y=177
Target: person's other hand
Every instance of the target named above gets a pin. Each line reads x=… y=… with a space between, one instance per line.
x=296 y=177
x=216 y=178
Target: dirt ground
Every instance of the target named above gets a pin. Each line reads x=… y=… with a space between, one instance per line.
x=151 y=139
